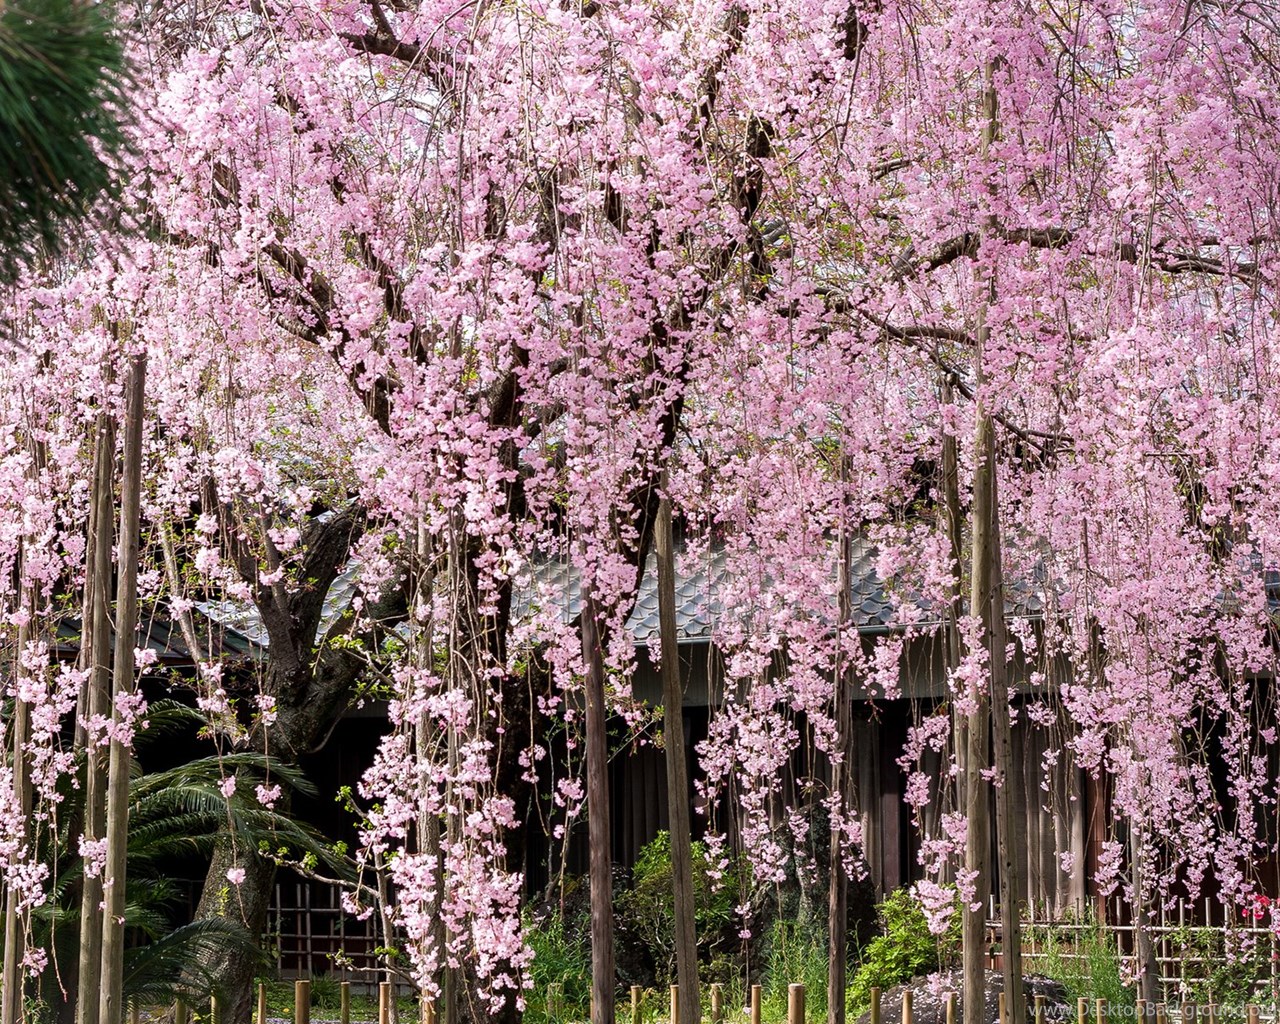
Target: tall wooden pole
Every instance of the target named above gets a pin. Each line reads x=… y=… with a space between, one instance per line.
x=600 y=866
x=111 y=1002
x=842 y=787
x=97 y=706
x=12 y=981
x=677 y=770
x=977 y=756
x=1009 y=849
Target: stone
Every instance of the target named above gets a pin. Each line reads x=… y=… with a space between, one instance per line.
x=928 y=999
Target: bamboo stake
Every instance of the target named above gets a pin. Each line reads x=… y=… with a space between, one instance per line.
x=755 y=1004
x=795 y=1004
x=180 y=1013
x=262 y=1003
x=875 y=1005
x=1082 y=1011
x=1040 y=1001
x=907 y=1015
x=1002 y=1013
x=384 y=1002
x=302 y=1001
x=344 y=1004
x=1100 y=1011
x=717 y=1003
x=637 y=1004
x=951 y=1008
x=675 y=1004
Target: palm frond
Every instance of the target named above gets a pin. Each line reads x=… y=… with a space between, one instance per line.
x=174 y=965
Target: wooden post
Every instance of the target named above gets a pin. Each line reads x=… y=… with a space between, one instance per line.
x=302 y=1001
x=717 y=1003
x=875 y=1005
x=111 y=980
x=795 y=1004
x=1162 y=1015
x=680 y=829
x=907 y=1015
x=262 y=1002
x=599 y=836
x=1188 y=1013
x=637 y=1005
x=1253 y=1014
x=1040 y=1001
x=385 y=996
x=951 y=1008
x=675 y=1004
x=1140 y=1010
x=344 y=1004
x=756 y=1000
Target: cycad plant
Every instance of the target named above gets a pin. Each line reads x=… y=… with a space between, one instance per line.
x=174 y=814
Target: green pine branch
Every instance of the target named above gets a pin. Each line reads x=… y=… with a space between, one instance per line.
x=62 y=81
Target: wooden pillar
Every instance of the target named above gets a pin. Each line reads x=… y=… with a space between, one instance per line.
x=302 y=1001
x=795 y=1004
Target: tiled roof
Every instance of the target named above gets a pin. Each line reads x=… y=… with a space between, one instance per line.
x=698 y=599
x=698 y=593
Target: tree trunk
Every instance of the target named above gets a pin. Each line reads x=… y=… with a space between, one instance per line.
x=111 y=1005
x=1144 y=946
x=677 y=771
x=97 y=706
x=246 y=904
x=601 y=862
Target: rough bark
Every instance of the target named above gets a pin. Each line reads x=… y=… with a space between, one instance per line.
x=246 y=904
x=677 y=772
x=1145 y=949
x=311 y=690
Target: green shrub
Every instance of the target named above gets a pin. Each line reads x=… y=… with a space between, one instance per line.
x=795 y=956
x=1086 y=962
x=561 y=958
x=905 y=950
x=1222 y=969
x=647 y=909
